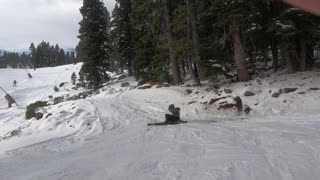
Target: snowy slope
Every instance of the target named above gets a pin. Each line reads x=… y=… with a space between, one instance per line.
x=105 y=136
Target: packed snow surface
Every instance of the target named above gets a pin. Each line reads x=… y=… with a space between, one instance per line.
x=105 y=135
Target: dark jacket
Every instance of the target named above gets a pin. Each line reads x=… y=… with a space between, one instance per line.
x=175 y=112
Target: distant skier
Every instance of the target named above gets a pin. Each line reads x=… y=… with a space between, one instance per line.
x=175 y=114
x=14 y=83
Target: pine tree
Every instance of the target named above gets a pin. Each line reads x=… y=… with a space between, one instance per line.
x=34 y=58
x=74 y=78
x=78 y=53
x=55 y=53
x=186 y=43
x=56 y=49
x=68 y=58
x=73 y=58
x=108 y=20
x=108 y=32
x=168 y=9
x=230 y=20
x=141 y=18
x=60 y=58
x=206 y=38
x=117 y=63
x=124 y=28
x=93 y=45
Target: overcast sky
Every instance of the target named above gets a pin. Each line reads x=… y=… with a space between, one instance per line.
x=26 y=21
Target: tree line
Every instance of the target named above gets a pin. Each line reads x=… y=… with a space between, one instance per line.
x=166 y=40
x=12 y=59
x=42 y=55
x=47 y=55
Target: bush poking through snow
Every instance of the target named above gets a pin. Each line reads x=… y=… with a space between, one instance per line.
x=227 y=91
x=125 y=84
x=122 y=76
x=239 y=105
x=141 y=82
x=289 y=90
x=10 y=134
x=62 y=84
x=74 y=78
x=31 y=108
x=58 y=100
x=56 y=89
x=248 y=93
x=212 y=101
x=166 y=85
x=188 y=91
x=247 y=110
x=79 y=85
x=81 y=95
x=276 y=95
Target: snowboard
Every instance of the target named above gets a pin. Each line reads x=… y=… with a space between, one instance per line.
x=167 y=123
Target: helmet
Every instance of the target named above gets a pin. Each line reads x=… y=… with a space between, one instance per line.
x=171 y=106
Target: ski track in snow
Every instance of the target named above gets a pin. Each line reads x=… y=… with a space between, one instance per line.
x=118 y=145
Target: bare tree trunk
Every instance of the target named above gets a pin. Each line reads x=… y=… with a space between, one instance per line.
x=284 y=57
x=310 y=55
x=290 y=65
x=193 y=35
x=239 y=55
x=195 y=67
x=183 y=63
x=275 y=55
x=265 y=56
x=173 y=61
x=303 y=55
x=193 y=72
x=130 y=71
x=288 y=56
x=251 y=60
x=187 y=64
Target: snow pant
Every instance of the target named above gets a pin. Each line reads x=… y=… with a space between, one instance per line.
x=171 y=119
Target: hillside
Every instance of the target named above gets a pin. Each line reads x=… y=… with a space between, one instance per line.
x=105 y=135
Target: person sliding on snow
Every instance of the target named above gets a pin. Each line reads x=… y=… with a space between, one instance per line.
x=171 y=119
x=175 y=117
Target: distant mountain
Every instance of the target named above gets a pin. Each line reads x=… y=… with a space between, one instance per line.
x=28 y=52
x=20 y=52
x=69 y=49
x=1 y=51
